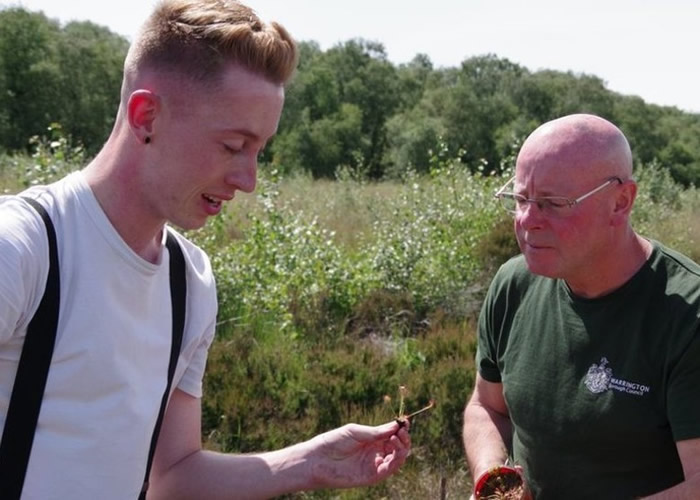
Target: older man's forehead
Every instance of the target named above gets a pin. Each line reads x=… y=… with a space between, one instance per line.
x=551 y=175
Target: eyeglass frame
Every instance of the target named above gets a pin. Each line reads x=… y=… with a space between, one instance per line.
x=570 y=203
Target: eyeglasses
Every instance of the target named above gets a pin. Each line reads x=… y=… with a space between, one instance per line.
x=556 y=206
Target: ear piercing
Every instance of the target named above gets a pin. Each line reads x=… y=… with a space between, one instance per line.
x=147 y=140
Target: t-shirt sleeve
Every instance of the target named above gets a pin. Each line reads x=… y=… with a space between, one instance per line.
x=191 y=381
x=201 y=319
x=486 y=355
x=24 y=256
x=683 y=402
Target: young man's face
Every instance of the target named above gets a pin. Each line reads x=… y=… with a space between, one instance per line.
x=207 y=144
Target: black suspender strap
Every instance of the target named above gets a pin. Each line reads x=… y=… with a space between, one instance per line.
x=35 y=359
x=178 y=295
x=32 y=372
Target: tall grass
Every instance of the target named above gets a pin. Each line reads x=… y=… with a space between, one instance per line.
x=333 y=294
x=349 y=289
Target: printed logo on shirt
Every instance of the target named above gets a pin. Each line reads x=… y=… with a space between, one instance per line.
x=599 y=378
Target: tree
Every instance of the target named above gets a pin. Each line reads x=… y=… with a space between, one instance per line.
x=640 y=123
x=30 y=94
x=681 y=153
x=51 y=74
x=329 y=93
x=574 y=93
x=413 y=79
x=368 y=80
x=4 y=110
x=90 y=59
x=321 y=146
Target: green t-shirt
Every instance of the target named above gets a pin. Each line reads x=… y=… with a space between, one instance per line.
x=598 y=390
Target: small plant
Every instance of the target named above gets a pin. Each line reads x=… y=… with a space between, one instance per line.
x=401 y=417
x=53 y=158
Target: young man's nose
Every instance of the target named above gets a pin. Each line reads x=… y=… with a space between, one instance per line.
x=244 y=175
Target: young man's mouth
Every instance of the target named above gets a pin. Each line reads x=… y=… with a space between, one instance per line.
x=212 y=200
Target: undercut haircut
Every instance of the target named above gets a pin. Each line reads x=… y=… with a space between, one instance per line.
x=198 y=38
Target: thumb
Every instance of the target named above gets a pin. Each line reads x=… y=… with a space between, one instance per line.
x=370 y=433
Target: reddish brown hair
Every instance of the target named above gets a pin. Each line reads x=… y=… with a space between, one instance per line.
x=197 y=38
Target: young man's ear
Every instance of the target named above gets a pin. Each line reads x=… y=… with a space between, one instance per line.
x=142 y=109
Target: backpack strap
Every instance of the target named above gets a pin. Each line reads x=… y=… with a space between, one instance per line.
x=178 y=295
x=32 y=372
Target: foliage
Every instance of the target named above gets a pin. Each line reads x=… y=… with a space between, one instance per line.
x=52 y=157
x=416 y=277
x=90 y=59
x=57 y=74
x=30 y=75
x=286 y=268
x=337 y=109
x=425 y=243
x=334 y=293
x=664 y=210
x=348 y=107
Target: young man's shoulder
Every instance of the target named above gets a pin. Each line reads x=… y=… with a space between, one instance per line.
x=197 y=258
x=20 y=223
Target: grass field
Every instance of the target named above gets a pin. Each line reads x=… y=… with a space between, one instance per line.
x=334 y=293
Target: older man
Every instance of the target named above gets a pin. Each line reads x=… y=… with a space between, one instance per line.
x=589 y=342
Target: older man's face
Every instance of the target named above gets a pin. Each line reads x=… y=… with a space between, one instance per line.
x=562 y=245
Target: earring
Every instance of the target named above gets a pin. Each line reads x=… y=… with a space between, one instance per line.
x=147 y=140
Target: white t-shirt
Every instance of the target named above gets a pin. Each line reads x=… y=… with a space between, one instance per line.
x=110 y=362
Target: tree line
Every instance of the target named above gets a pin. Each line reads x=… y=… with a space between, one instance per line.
x=348 y=107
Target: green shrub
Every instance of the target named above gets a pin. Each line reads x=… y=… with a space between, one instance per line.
x=333 y=294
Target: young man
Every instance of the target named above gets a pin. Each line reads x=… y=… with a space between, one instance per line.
x=589 y=342
x=202 y=93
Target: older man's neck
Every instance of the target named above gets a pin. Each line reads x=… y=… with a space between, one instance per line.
x=623 y=262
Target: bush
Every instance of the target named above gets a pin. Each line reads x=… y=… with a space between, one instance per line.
x=333 y=294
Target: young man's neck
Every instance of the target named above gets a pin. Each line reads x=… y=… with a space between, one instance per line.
x=111 y=184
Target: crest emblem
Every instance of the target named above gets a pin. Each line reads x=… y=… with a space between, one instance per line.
x=598 y=377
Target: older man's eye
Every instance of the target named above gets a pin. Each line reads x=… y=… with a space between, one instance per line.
x=232 y=149
x=556 y=202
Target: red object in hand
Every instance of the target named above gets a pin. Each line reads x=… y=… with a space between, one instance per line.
x=502 y=482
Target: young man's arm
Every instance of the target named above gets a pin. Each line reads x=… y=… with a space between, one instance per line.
x=24 y=263
x=349 y=456
x=487 y=431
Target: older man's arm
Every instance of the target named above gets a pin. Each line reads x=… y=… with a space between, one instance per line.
x=689 y=489
x=487 y=431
